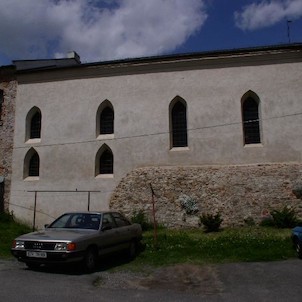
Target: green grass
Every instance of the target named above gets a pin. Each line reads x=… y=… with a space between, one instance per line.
x=9 y=230
x=229 y=245
x=189 y=246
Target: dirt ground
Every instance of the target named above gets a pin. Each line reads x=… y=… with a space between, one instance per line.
x=182 y=277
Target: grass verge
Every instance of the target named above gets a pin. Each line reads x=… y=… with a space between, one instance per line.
x=9 y=230
x=229 y=245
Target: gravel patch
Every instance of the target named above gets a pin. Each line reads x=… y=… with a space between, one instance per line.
x=183 y=278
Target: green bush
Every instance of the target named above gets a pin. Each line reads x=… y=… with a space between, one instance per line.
x=249 y=221
x=298 y=191
x=267 y=222
x=285 y=218
x=211 y=222
x=6 y=217
x=141 y=218
x=9 y=230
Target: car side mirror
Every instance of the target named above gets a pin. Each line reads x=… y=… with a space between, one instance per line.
x=46 y=225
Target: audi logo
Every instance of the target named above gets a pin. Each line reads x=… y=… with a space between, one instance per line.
x=37 y=245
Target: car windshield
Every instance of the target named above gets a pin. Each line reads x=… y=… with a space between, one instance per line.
x=77 y=221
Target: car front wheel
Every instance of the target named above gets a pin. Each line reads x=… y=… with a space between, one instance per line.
x=90 y=260
x=32 y=266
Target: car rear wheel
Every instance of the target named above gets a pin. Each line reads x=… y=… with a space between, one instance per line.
x=132 y=249
x=90 y=260
x=298 y=247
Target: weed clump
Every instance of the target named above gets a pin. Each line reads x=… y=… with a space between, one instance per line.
x=211 y=222
x=141 y=218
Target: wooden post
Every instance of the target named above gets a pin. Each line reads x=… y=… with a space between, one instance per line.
x=154 y=217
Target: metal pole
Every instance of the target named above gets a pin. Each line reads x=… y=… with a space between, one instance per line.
x=88 y=201
x=288 y=31
x=35 y=208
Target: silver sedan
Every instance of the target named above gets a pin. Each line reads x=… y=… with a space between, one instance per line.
x=78 y=237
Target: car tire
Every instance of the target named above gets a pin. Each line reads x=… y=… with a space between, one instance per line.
x=90 y=260
x=32 y=266
x=132 y=250
x=298 y=247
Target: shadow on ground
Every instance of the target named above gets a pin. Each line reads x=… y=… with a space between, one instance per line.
x=105 y=263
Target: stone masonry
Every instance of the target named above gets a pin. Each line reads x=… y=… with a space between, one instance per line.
x=239 y=193
x=7 y=120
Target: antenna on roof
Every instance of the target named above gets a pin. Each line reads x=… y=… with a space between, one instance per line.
x=288 y=30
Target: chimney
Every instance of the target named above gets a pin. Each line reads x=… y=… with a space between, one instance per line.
x=73 y=55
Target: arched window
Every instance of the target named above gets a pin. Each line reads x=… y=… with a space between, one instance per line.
x=33 y=124
x=104 y=161
x=178 y=123
x=32 y=164
x=250 y=119
x=105 y=119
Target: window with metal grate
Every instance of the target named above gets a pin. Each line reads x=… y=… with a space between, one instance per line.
x=179 y=125
x=35 y=126
x=34 y=165
x=107 y=121
x=106 y=162
x=251 y=126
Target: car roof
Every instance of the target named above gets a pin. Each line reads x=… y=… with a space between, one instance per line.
x=89 y=212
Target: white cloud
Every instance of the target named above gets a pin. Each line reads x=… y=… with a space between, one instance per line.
x=267 y=13
x=97 y=29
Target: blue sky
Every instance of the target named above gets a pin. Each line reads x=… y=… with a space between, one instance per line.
x=101 y=30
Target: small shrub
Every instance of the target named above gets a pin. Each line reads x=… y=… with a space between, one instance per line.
x=211 y=222
x=6 y=217
x=249 y=221
x=188 y=204
x=267 y=222
x=298 y=191
x=141 y=218
x=286 y=218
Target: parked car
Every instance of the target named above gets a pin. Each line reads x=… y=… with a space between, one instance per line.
x=78 y=237
x=297 y=240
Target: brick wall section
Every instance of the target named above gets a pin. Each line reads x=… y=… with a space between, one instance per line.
x=9 y=86
x=237 y=192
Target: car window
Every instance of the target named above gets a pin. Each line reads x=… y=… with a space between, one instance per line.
x=95 y=221
x=61 y=222
x=108 y=222
x=120 y=220
x=77 y=221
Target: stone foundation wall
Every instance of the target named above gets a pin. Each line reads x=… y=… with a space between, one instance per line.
x=239 y=193
x=7 y=122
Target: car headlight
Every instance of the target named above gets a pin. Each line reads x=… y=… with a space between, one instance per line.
x=61 y=246
x=18 y=244
x=64 y=246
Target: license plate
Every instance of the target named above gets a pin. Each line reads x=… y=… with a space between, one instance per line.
x=36 y=254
